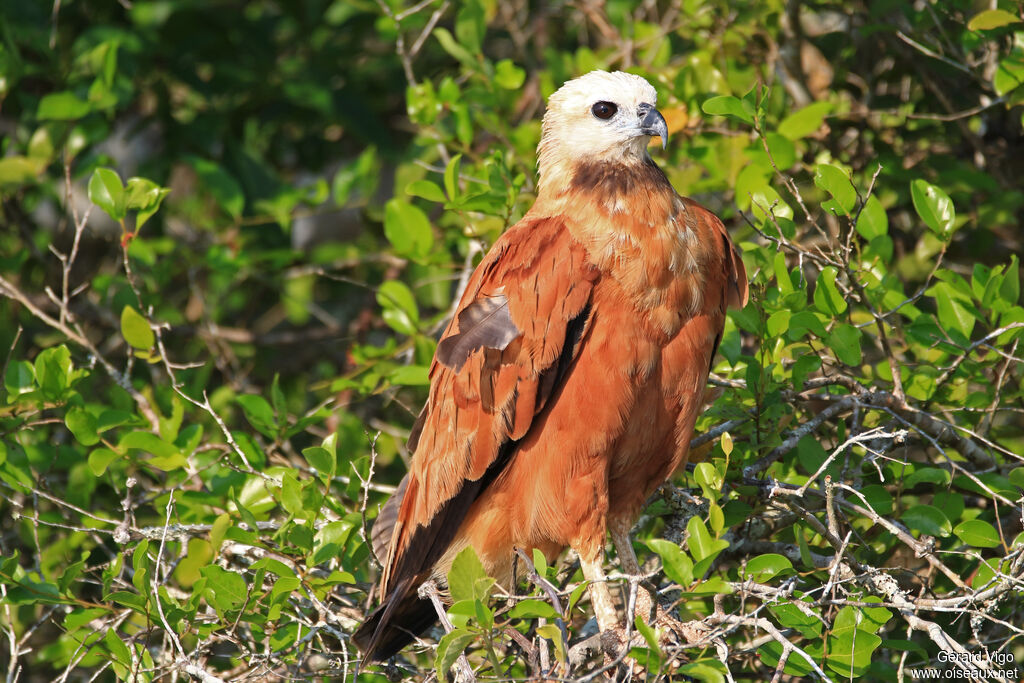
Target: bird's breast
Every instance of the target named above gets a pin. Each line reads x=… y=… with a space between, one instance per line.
x=651 y=250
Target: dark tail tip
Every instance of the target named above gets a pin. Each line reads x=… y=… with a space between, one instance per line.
x=394 y=624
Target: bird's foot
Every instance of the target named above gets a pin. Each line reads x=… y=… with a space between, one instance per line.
x=671 y=633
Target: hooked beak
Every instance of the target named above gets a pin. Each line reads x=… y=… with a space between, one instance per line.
x=653 y=123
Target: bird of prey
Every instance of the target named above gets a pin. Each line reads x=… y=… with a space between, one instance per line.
x=565 y=389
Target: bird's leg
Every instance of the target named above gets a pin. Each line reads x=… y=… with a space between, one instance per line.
x=600 y=596
x=645 y=601
x=613 y=636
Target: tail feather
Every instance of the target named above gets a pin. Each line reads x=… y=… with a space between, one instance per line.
x=395 y=623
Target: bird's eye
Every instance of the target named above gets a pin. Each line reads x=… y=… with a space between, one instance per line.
x=604 y=110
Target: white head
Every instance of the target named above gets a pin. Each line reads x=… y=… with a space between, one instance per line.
x=601 y=116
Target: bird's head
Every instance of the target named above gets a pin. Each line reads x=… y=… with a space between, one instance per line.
x=600 y=117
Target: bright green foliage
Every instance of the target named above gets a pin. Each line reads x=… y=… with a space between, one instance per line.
x=231 y=235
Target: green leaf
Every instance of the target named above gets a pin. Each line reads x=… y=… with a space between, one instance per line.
x=291 y=494
x=878 y=497
x=100 y=459
x=709 y=479
x=770 y=654
x=452 y=47
x=934 y=207
x=849 y=653
x=399 y=304
x=803 y=367
x=850 y=645
x=751 y=180
x=117 y=649
x=932 y=475
x=20 y=378
x=989 y=482
x=168 y=463
x=791 y=616
x=766 y=567
x=700 y=543
x=358 y=177
x=782 y=274
x=410 y=376
x=408 y=229
x=713 y=585
x=320 y=459
x=704 y=670
x=82 y=424
x=845 y=343
x=873 y=221
x=451 y=177
x=78 y=618
x=951 y=503
x=540 y=562
x=803 y=122
x=107 y=192
x=224 y=590
x=836 y=182
x=731 y=107
x=1016 y=477
x=677 y=565
x=53 y=371
x=224 y=189
x=16 y=171
x=1009 y=76
x=716 y=517
x=145 y=197
x=508 y=76
x=874 y=618
x=977 y=533
x=484 y=615
x=467 y=579
x=136 y=329
x=577 y=593
x=448 y=650
x=1009 y=291
x=954 y=309
x=992 y=18
x=470 y=25
x=782 y=149
x=533 y=609
x=802 y=322
x=62 y=106
x=148 y=442
x=426 y=189
x=259 y=413
x=40 y=145
x=928 y=520
x=766 y=202
x=827 y=298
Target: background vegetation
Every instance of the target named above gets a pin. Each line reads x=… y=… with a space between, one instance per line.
x=231 y=230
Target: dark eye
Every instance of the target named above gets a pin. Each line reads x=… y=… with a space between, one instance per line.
x=604 y=110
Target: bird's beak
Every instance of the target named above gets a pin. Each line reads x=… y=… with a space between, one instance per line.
x=653 y=123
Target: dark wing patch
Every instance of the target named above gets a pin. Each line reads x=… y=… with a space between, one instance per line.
x=403 y=615
x=485 y=323
x=380 y=534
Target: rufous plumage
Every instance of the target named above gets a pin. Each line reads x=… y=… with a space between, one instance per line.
x=566 y=387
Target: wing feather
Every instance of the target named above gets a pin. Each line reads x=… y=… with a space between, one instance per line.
x=507 y=350
x=484 y=323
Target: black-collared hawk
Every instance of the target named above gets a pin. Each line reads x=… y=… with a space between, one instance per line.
x=565 y=389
